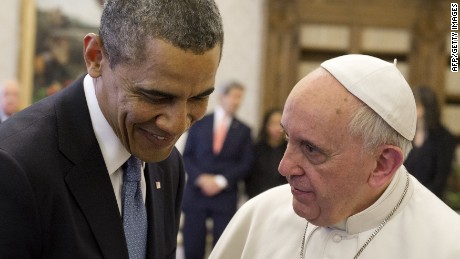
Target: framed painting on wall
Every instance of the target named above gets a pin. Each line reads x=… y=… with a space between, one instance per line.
x=60 y=28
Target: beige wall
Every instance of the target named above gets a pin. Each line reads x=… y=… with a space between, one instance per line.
x=9 y=38
x=242 y=55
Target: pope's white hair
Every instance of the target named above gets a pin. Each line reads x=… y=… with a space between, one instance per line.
x=375 y=131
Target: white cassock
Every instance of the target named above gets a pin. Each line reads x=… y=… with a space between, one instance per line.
x=423 y=227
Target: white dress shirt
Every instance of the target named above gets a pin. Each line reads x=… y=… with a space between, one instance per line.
x=113 y=151
x=219 y=116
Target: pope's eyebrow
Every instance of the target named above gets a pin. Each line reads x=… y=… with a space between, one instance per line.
x=306 y=142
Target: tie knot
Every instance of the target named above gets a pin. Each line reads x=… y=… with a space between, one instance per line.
x=132 y=169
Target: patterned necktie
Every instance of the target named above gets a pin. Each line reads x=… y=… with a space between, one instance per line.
x=134 y=212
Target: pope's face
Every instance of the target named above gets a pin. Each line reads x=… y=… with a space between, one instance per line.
x=151 y=104
x=324 y=165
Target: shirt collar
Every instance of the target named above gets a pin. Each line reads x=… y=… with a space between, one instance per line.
x=219 y=113
x=3 y=116
x=113 y=151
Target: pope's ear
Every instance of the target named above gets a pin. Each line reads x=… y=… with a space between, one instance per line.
x=389 y=159
x=93 y=54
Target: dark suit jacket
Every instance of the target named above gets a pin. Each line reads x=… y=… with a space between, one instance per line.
x=233 y=162
x=56 y=197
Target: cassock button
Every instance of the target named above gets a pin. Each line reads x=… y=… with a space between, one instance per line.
x=337 y=238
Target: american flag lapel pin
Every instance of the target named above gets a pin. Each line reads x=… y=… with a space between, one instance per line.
x=158 y=185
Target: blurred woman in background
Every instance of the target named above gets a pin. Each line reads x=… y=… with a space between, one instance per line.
x=268 y=152
x=430 y=160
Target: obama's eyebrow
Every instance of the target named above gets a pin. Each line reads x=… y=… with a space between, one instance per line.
x=163 y=94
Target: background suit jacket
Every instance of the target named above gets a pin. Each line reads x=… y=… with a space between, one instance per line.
x=233 y=162
x=56 y=197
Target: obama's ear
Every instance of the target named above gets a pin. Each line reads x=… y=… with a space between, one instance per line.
x=93 y=54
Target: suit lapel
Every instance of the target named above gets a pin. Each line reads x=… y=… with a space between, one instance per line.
x=90 y=184
x=155 y=211
x=89 y=181
x=208 y=121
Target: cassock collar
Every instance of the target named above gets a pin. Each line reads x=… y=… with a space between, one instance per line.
x=374 y=215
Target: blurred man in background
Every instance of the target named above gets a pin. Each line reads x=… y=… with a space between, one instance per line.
x=9 y=99
x=217 y=155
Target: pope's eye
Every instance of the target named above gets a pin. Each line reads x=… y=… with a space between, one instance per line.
x=314 y=154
